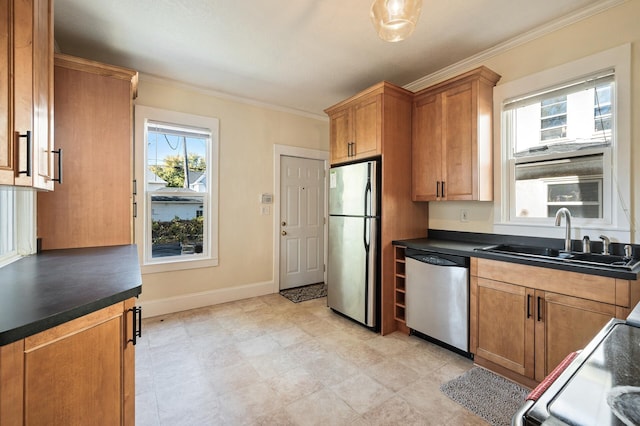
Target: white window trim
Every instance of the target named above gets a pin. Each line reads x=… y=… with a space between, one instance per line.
x=619 y=228
x=142 y=115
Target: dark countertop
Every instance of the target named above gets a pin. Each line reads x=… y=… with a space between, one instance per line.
x=466 y=243
x=41 y=291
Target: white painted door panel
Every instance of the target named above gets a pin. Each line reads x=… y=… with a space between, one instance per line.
x=301 y=222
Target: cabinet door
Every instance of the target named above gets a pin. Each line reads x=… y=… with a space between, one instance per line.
x=26 y=93
x=459 y=117
x=427 y=148
x=7 y=172
x=565 y=324
x=80 y=372
x=43 y=96
x=93 y=206
x=505 y=325
x=341 y=135
x=367 y=127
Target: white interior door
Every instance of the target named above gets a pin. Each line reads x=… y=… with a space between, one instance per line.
x=301 y=221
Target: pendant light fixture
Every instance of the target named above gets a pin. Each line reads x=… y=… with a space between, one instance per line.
x=395 y=20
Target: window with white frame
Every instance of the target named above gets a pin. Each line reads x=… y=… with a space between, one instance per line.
x=565 y=141
x=180 y=154
x=559 y=140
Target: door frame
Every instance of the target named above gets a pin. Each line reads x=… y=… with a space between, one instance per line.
x=280 y=151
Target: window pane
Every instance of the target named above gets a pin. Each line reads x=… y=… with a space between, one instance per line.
x=556 y=133
x=166 y=161
x=542 y=187
x=7 y=221
x=554 y=109
x=602 y=108
x=177 y=225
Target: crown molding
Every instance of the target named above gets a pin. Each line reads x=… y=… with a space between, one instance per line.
x=480 y=58
x=221 y=95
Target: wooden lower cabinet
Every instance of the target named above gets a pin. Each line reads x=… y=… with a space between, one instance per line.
x=505 y=328
x=80 y=372
x=523 y=327
x=565 y=324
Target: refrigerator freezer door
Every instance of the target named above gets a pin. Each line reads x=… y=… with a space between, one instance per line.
x=351 y=269
x=352 y=190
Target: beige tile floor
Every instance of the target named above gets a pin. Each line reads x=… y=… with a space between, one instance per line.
x=268 y=361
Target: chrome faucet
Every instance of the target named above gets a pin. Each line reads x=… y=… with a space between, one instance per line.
x=567 y=220
x=605 y=244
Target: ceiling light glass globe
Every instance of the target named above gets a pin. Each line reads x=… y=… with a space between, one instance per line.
x=395 y=20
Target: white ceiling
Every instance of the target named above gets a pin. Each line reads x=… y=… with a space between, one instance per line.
x=300 y=54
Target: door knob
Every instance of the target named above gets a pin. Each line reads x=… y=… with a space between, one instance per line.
x=283 y=232
x=284 y=223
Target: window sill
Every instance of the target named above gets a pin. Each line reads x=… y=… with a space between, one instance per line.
x=177 y=265
x=6 y=260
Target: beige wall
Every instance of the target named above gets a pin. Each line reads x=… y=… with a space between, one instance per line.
x=608 y=29
x=248 y=134
x=247 y=137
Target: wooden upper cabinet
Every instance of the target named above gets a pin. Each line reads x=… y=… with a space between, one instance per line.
x=427 y=163
x=26 y=93
x=358 y=123
x=94 y=204
x=452 y=139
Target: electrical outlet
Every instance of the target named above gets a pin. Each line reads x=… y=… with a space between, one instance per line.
x=265 y=210
x=464 y=215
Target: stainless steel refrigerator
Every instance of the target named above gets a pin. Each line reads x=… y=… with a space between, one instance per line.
x=354 y=229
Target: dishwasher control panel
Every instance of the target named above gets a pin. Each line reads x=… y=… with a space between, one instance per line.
x=439 y=259
x=434 y=260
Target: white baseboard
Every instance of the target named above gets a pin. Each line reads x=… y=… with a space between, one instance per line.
x=152 y=308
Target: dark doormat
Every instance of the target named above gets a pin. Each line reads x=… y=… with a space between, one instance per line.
x=304 y=293
x=487 y=395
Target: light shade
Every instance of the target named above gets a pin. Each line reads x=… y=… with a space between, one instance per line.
x=395 y=20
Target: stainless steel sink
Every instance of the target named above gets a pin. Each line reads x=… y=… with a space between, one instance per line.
x=593 y=259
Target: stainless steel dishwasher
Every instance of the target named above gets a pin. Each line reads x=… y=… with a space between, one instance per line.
x=437 y=297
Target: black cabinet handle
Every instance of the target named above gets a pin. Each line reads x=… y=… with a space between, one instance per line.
x=437 y=189
x=528 y=306
x=136 y=316
x=539 y=308
x=58 y=152
x=442 y=189
x=29 y=147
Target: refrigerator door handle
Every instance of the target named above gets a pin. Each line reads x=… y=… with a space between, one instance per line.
x=367 y=265
x=367 y=211
x=367 y=198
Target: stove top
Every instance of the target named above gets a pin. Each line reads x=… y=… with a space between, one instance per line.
x=601 y=387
